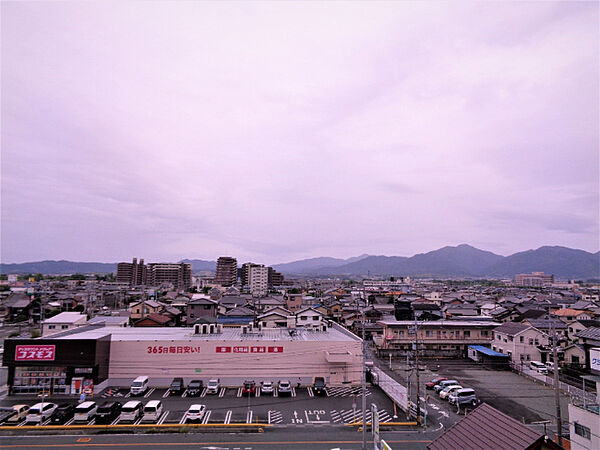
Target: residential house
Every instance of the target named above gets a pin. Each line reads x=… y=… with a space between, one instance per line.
x=579 y=325
x=520 y=341
x=237 y=316
x=63 y=322
x=148 y=307
x=201 y=308
x=275 y=318
x=293 y=302
x=568 y=314
x=154 y=320
x=309 y=318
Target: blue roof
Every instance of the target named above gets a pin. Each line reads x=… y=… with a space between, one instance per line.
x=487 y=351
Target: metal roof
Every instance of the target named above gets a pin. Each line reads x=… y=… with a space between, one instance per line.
x=487 y=351
x=487 y=428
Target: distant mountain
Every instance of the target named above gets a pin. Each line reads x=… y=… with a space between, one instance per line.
x=314 y=264
x=201 y=265
x=563 y=262
x=58 y=267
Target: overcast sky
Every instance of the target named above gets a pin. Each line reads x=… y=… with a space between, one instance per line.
x=277 y=131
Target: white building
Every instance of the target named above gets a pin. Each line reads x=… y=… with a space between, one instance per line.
x=63 y=322
x=258 y=280
x=519 y=341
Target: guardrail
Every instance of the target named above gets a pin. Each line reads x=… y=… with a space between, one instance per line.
x=249 y=426
x=397 y=392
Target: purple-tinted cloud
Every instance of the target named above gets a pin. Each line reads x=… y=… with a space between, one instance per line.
x=274 y=131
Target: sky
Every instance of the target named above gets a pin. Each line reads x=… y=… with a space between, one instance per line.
x=278 y=131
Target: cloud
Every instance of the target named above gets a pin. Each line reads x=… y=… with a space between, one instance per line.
x=284 y=130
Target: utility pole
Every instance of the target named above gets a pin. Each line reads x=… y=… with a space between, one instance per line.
x=364 y=386
x=556 y=383
x=417 y=370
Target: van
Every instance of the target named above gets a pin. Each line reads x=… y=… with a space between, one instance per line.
x=152 y=411
x=444 y=384
x=131 y=411
x=319 y=386
x=538 y=366
x=40 y=412
x=462 y=397
x=108 y=412
x=84 y=412
x=139 y=385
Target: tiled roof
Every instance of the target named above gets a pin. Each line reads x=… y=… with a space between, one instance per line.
x=511 y=328
x=487 y=428
x=545 y=323
x=590 y=333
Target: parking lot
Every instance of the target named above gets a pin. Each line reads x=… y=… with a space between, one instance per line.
x=299 y=408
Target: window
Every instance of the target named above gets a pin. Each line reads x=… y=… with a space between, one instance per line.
x=575 y=359
x=315 y=317
x=530 y=341
x=467 y=333
x=191 y=316
x=484 y=333
x=64 y=327
x=537 y=342
x=582 y=431
x=510 y=338
x=51 y=327
x=521 y=339
x=428 y=333
x=528 y=357
x=303 y=317
x=522 y=357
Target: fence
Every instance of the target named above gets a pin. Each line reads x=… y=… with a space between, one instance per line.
x=392 y=388
x=573 y=391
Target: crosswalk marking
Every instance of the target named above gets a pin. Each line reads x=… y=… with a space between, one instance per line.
x=275 y=416
x=310 y=391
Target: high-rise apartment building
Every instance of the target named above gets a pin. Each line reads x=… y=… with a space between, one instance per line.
x=258 y=280
x=275 y=278
x=245 y=273
x=154 y=274
x=534 y=279
x=133 y=273
x=226 y=274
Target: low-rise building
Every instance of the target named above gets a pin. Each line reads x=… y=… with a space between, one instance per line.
x=520 y=341
x=435 y=338
x=63 y=322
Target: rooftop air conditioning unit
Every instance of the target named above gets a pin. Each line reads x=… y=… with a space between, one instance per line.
x=244 y=329
x=197 y=329
x=219 y=328
x=211 y=328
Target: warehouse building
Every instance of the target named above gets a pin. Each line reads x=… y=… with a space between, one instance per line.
x=89 y=359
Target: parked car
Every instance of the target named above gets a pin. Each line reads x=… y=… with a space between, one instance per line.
x=431 y=384
x=40 y=412
x=195 y=388
x=284 y=388
x=213 y=386
x=550 y=367
x=108 y=412
x=20 y=414
x=152 y=411
x=444 y=393
x=86 y=411
x=267 y=387
x=442 y=384
x=319 y=386
x=249 y=388
x=463 y=397
x=195 y=413
x=131 y=411
x=5 y=413
x=538 y=366
x=139 y=385
x=177 y=387
x=62 y=414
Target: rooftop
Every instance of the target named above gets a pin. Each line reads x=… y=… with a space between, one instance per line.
x=334 y=333
x=67 y=317
x=438 y=323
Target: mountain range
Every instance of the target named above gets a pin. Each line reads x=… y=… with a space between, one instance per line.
x=460 y=261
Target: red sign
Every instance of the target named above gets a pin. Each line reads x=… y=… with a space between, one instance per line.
x=275 y=349
x=163 y=349
x=240 y=349
x=35 y=352
x=258 y=349
x=223 y=349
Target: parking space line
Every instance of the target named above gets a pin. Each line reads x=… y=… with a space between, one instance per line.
x=166 y=394
x=138 y=421
x=222 y=392
x=184 y=394
x=293 y=392
x=203 y=394
x=227 y=417
x=239 y=392
x=162 y=419
x=149 y=393
x=114 y=422
x=310 y=391
x=183 y=419
x=257 y=394
x=206 y=417
x=249 y=416
x=275 y=392
x=128 y=395
x=70 y=421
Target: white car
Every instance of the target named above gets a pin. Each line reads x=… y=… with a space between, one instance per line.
x=445 y=393
x=267 y=387
x=284 y=388
x=213 y=386
x=195 y=413
x=40 y=412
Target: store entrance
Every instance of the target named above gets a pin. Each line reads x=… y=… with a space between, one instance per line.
x=40 y=380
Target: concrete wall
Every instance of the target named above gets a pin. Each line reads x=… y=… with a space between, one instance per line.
x=233 y=361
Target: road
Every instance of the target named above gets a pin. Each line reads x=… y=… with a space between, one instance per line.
x=289 y=438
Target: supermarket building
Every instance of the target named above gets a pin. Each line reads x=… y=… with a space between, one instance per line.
x=91 y=358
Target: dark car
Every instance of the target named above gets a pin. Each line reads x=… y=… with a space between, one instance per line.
x=431 y=384
x=108 y=412
x=176 y=387
x=6 y=413
x=62 y=414
x=319 y=386
x=195 y=388
x=249 y=388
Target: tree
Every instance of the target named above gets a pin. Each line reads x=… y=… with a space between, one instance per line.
x=78 y=276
